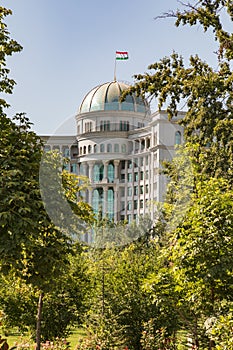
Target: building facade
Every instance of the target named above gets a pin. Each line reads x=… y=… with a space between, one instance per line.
x=120 y=146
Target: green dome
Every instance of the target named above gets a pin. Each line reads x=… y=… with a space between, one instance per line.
x=106 y=97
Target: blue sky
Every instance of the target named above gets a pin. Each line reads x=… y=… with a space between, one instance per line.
x=69 y=47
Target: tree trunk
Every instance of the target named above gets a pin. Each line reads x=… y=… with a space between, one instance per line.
x=38 y=320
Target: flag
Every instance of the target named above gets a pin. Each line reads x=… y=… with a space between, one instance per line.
x=122 y=55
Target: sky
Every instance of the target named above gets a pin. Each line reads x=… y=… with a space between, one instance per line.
x=69 y=48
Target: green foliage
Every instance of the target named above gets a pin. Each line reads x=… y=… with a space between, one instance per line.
x=8 y=47
x=63 y=304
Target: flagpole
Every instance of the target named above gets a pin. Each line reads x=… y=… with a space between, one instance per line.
x=115 y=69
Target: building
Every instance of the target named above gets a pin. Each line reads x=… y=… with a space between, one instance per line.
x=120 y=146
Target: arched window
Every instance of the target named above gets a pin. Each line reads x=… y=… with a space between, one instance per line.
x=110 y=172
x=80 y=150
x=89 y=149
x=81 y=169
x=101 y=172
x=177 y=138
x=95 y=148
x=84 y=149
x=66 y=151
x=116 y=148
x=101 y=147
x=97 y=200
x=110 y=209
x=98 y=172
x=47 y=148
x=123 y=148
x=109 y=147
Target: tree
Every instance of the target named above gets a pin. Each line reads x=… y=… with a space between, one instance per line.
x=32 y=247
x=8 y=47
x=205 y=92
x=196 y=256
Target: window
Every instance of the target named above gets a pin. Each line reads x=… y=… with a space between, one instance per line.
x=177 y=138
x=97 y=200
x=66 y=152
x=104 y=125
x=101 y=147
x=88 y=126
x=98 y=172
x=129 y=178
x=110 y=172
x=142 y=145
x=124 y=125
x=110 y=205
x=81 y=169
x=135 y=190
x=129 y=205
x=95 y=148
x=129 y=218
x=122 y=205
x=123 y=164
x=141 y=125
x=129 y=191
x=123 y=148
x=141 y=189
x=84 y=149
x=47 y=148
x=141 y=175
x=66 y=167
x=141 y=204
x=129 y=164
x=135 y=204
x=73 y=168
x=122 y=191
x=136 y=145
x=147 y=188
x=116 y=147
x=89 y=149
x=109 y=148
x=135 y=176
x=122 y=177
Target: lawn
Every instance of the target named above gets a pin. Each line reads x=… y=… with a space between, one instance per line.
x=15 y=337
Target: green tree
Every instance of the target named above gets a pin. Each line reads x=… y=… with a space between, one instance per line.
x=8 y=47
x=120 y=306
x=31 y=246
x=205 y=92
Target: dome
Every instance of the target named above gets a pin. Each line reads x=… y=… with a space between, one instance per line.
x=106 y=97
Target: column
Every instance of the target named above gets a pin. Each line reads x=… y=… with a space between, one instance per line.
x=105 y=162
x=90 y=191
x=116 y=165
x=91 y=165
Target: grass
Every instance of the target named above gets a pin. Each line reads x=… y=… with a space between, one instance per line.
x=15 y=337
x=75 y=336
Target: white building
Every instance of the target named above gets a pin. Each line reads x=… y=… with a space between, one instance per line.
x=120 y=146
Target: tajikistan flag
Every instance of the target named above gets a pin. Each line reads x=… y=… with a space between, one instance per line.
x=122 y=55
